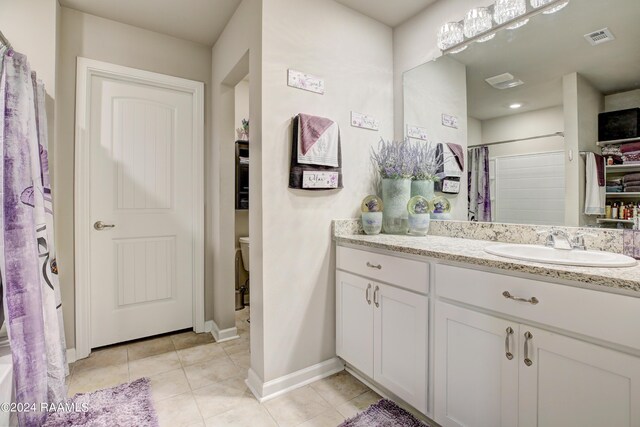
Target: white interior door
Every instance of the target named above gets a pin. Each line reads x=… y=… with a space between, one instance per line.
x=476 y=380
x=574 y=383
x=142 y=191
x=401 y=322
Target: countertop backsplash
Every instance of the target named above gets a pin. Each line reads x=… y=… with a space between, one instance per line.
x=601 y=239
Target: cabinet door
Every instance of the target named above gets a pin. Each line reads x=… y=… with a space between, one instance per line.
x=400 y=338
x=354 y=321
x=476 y=380
x=573 y=383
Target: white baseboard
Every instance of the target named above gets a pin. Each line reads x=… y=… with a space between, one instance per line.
x=264 y=391
x=71 y=355
x=222 y=335
x=208 y=326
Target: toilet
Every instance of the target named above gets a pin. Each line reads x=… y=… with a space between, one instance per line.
x=244 y=289
x=244 y=248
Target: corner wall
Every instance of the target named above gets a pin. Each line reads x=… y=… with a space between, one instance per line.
x=582 y=103
x=237 y=51
x=354 y=55
x=97 y=38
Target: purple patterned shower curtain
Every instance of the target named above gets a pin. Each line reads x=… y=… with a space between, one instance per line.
x=31 y=295
x=479 y=185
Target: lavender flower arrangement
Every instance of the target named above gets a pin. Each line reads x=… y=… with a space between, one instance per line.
x=427 y=161
x=394 y=159
x=421 y=207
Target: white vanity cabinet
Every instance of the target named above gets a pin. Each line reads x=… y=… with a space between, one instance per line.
x=476 y=369
x=382 y=328
x=551 y=379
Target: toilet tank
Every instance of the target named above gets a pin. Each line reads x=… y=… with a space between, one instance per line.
x=244 y=248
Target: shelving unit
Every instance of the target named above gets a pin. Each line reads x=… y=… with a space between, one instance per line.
x=242 y=175
x=624 y=195
x=619 y=171
x=617 y=141
x=623 y=168
x=614 y=221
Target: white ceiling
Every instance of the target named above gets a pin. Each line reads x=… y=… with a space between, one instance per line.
x=547 y=48
x=390 y=12
x=200 y=21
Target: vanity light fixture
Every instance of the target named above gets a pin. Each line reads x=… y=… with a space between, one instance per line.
x=478 y=21
x=509 y=10
x=540 y=3
x=454 y=37
x=451 y=34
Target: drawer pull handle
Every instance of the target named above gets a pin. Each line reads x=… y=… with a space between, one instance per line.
x=532 y=300
x=375 y=296
x=507 y=347
x=378 y=266
x=527 y=338
x=366 y=294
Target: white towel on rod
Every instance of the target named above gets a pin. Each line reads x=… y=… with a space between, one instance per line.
x=594 y=195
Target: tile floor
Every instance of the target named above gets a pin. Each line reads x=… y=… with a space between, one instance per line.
x=197 y=382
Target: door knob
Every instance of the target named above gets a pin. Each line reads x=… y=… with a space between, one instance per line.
x=99 y=225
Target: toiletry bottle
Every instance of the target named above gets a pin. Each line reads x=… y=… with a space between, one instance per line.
x=614 y=211
x=607 y=211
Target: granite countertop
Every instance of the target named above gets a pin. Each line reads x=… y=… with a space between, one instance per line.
x=620 y=280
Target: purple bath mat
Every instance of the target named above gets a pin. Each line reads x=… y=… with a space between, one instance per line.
x=126 y=405
x=385 y=413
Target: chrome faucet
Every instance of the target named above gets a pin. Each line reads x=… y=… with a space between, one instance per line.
x=560 y=239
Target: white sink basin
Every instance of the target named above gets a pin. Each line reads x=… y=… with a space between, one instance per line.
x=547 y=255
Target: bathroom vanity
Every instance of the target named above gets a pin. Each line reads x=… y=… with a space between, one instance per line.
x=473 y=339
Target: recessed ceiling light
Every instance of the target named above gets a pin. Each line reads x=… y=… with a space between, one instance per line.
x=515 y=105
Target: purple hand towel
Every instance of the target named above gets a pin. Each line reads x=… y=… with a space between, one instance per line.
x=600 y=166
x=632 y=146
x=458 y=153
x=311 y=129
x=631 y=177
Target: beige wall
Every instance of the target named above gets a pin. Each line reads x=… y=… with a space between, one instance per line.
x=241 y=108
x=414 y=43
x=622 y=100
x=582 y=103
x=18 y=21
x=353 y=54
x=101 y=39
x=531 y=123
x=430 y=90
x=236 y=54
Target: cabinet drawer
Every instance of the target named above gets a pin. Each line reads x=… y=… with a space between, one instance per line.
x=604 y=316
x=406 y=273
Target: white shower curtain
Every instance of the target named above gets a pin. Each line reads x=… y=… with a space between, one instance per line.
x=31 y=294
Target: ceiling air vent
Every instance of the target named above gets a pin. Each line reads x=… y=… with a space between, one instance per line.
x=503 y=81
x=601 y=36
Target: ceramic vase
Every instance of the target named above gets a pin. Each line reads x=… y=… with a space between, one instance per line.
x=419 y=224
x=372 y=222
x=424 y=188
x=395 y=195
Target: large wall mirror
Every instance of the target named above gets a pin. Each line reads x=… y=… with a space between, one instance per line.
x=532 y=97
